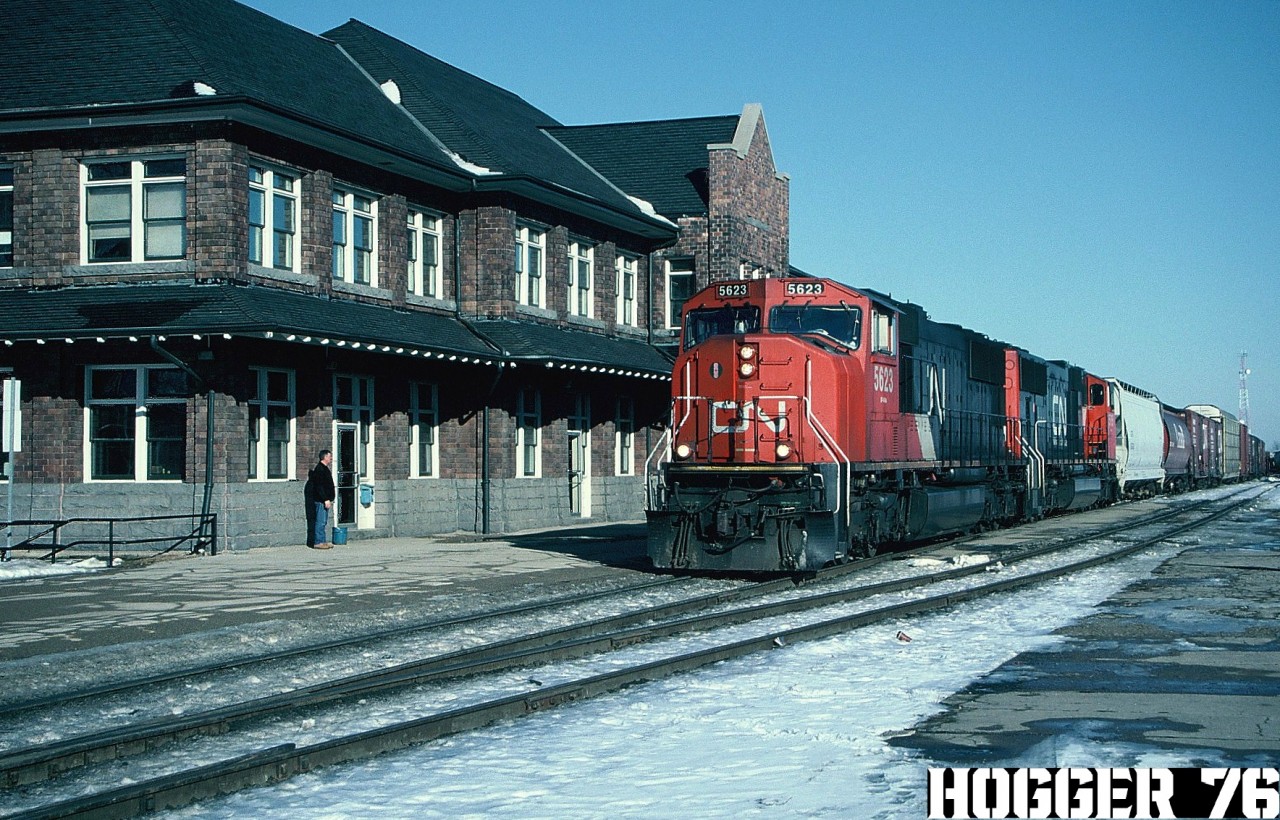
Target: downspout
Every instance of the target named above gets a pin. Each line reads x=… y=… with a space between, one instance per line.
x=648 y=325
x=503 y=355
x=208 y=437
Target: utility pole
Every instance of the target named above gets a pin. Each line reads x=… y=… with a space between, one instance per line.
x=1244 y=388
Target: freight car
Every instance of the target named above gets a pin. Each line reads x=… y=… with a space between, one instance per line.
x=1231 y=456
x=813 y=423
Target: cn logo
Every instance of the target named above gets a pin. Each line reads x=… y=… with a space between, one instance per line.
x=737 y=417
x=883 y=378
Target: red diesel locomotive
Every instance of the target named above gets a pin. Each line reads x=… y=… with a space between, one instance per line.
x=812 y=423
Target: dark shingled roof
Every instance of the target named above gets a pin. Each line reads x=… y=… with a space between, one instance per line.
x=61 y=54
x=663 y=162
x=552 y=346
x=146 y=57
x=143 y=310
x=486 y=125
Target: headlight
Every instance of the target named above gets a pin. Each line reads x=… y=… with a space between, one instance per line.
x=783 y=450
x=747 y=352
x=683 y=451
x=746 y=370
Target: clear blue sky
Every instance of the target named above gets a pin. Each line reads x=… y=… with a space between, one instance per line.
x=1094 y=181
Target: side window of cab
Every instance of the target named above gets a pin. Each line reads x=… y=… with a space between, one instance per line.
x=883 y=332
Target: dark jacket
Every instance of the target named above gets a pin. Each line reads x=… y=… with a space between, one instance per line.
x=320 y=485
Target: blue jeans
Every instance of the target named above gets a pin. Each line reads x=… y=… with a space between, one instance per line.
x=320 y=532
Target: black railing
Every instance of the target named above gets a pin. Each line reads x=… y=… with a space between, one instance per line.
x=158 y=533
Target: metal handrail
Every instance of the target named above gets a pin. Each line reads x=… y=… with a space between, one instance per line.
x=202 y=535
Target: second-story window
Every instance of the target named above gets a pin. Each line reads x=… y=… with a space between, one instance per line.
x=531 y=244
x=424 y=254
x=626 y=285
x=6 y=217
x=134 y=210
x=273 y=218
x=680 y=285
x=354 y=232
x=581 y=275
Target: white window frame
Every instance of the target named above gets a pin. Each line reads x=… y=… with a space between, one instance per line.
x=582 y=277
x=138 y=227
x=5 y=373
x=531 y=266
x=425 y=245
x=624 y=446
x=277 y=188
x=355 y=209
x=673 y=318
x=6 y=232
x=142 y=404
x=260 y=428
x=529 y=424
x=424 y=418
x=628 y=267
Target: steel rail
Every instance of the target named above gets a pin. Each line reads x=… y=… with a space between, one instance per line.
x=462 y=719
x=18 y=707
x=27 y=766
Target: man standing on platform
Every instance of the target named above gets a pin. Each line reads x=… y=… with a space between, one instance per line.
x=319 y=493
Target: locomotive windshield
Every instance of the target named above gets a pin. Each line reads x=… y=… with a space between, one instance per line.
x=703 y=323
x=840 y=322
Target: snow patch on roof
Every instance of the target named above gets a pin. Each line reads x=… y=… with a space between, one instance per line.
x=391 y=90
x=467 y=165
x=203 y=89
x=645 y=206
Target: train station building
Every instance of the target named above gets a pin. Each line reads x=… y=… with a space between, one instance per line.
x=226 y=243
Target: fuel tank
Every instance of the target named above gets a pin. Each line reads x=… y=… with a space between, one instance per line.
x=936 y=511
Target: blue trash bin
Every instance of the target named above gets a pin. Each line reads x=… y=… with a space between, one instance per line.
x=339 y=535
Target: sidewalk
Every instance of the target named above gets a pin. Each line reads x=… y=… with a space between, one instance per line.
x=1184 y=663
x=177 y=596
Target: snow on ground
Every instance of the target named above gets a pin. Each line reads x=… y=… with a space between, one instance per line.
x=796 y=732
x=22 y=568
x=799 y=732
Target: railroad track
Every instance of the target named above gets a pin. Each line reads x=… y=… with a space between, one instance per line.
x=720 y=609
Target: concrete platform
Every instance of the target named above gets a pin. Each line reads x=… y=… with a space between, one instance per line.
x=1186 y=663
x=377 y=580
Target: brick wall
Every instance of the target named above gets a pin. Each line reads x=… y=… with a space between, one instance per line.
x=748 y=219
x=55 y=215
x=217 y=185
x=488 y=237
